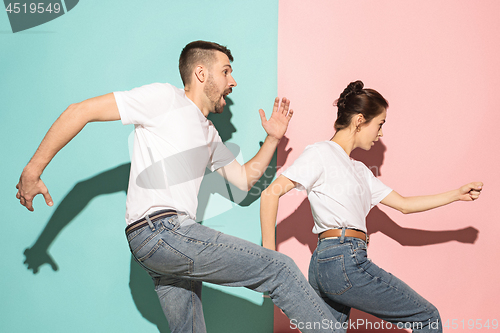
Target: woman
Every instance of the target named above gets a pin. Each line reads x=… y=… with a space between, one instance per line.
x=341 y=192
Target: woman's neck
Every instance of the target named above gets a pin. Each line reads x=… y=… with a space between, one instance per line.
x=345 y=139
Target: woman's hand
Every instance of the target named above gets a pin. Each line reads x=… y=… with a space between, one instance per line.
x=470 y=192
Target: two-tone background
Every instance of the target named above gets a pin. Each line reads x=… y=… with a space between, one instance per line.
x=67 y=268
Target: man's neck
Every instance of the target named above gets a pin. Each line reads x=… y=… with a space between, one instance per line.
x=197 y=99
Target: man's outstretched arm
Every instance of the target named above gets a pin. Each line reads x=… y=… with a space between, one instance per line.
x=65 y=128
x=245 y=176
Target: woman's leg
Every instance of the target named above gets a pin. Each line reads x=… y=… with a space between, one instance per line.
x=346 y=276
x=340 y=311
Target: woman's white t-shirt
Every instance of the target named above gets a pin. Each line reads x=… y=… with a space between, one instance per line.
x=341 y=190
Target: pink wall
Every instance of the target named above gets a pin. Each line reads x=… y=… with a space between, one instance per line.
x=437 y=64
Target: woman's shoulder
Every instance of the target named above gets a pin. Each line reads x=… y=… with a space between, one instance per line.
x=321 y=145
x=320 y=148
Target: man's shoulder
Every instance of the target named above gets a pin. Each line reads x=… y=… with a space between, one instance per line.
x=161 y=86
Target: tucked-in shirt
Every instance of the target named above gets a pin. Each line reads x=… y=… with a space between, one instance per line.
x=341 y=190
x=173 y=144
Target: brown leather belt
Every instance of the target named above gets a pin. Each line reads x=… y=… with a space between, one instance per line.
x=144 y=221
x=348 y=233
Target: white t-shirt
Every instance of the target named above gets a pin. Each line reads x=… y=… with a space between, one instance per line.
x=341 y=190
x=173 y=144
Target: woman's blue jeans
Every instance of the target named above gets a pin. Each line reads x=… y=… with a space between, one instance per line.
x=345 y=278
x=179 y=255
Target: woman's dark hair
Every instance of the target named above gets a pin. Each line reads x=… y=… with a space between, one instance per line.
x=356 y=100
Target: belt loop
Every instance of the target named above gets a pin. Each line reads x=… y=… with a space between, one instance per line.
x=343 y=236
x=150 y=223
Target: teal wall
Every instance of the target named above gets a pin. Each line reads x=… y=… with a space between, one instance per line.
x=85 y=280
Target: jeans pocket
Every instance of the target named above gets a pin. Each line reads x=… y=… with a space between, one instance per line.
x=164 y=259
x=332 y=275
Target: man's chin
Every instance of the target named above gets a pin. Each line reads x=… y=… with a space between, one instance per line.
x=218 y=109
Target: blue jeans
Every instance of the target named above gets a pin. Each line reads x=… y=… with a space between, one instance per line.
x=179 y=255
x=345 y=278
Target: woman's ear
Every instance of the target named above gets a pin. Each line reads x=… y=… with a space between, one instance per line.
x=359 y=119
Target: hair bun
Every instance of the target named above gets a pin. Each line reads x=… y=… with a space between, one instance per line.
x=353 y=89
x=355 y=99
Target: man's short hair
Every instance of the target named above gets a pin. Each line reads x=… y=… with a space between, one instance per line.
x=199 y=52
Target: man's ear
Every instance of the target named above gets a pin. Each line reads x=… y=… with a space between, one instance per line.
x=200 y=73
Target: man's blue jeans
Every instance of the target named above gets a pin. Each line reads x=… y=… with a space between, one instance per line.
x=180 y=254
x=345 y=278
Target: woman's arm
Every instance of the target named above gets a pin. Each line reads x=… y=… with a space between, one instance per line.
x=269 y=209
x=407 y=205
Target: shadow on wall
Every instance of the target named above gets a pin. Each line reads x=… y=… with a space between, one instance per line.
x=300 y=223
x=223 y=312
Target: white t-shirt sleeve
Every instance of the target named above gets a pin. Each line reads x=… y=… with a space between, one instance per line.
x=144 y=105
x=378 y=189
x=221 y=155
x=307 y=170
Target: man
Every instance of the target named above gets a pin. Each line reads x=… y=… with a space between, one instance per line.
x=174 y=143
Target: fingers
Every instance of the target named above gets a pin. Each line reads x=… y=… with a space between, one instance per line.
x=276 y=104
x=475 y=190
x=27 y=203
x=262 y=116
x=478 y=186
x=283 y=107
x=28 y=190
x=47 y=197
x=474 y=194
x=23 y=200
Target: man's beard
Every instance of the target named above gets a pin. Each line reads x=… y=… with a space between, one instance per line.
x=214 y=96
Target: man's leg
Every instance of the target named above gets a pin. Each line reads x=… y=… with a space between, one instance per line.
x=180 y=298
x=198 y=253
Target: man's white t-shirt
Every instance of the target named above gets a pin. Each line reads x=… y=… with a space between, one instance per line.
x=341 y=190
x=173 y=144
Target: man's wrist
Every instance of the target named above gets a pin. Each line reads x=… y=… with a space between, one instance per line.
x=32 y=171
x=272 y=140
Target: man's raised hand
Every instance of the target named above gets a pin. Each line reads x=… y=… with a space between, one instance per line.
x=277 y=124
